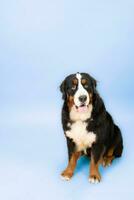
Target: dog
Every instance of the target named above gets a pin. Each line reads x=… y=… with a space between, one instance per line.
x=88 y=127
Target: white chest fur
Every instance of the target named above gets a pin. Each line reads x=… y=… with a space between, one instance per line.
x=80 y=136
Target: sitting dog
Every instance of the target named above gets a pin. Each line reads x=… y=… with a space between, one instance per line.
x=88 y=127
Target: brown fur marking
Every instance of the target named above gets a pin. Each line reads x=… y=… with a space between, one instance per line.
x=83 y=81
x=94 y=169
x=75 y=81
x=90 y=97
x=70 y=102
x=69 y=171
x=107 y=160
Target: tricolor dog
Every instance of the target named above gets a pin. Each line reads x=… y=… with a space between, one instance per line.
x=89 y=129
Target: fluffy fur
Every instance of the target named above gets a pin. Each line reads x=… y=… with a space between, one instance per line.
x=93 y=131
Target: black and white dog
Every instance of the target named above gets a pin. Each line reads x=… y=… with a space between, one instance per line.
x=88 y=127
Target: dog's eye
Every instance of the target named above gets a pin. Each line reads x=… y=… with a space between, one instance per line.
x=86 y=86
x=74 y=87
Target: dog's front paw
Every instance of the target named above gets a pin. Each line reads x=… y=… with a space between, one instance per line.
x=66 y=175
x=95 y=178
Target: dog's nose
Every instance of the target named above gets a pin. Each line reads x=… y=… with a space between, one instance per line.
x=83 y=98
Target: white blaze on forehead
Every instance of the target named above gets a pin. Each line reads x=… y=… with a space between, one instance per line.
x=78 y=76
x=80 y=91
x=80 y=86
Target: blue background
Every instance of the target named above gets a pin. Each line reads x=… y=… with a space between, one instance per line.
x=40 y=43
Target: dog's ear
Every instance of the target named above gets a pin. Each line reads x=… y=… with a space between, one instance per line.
x=94 y=82
x=63 y=89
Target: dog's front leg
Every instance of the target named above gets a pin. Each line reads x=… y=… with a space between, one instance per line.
x=69 y=171
x=96 y=159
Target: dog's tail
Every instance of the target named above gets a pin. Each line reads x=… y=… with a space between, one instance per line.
x=118 y=142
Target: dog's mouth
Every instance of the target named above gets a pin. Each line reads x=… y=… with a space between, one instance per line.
x=82 y=108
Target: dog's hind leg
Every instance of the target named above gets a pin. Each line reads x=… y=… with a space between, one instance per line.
x=108 y=158
x=116 y=149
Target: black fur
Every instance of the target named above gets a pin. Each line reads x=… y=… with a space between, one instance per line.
x=108 y=134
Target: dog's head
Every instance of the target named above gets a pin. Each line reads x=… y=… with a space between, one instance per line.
x=78 y=89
